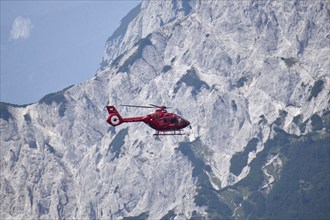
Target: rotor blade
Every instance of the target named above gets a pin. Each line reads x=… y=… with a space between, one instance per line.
x=138 y=106
x=161 y=107
x=155 y=106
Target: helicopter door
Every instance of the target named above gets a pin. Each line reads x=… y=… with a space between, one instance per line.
x=162 y=121
x=173 y=121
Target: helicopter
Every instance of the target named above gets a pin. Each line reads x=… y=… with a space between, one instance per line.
x=165 y=123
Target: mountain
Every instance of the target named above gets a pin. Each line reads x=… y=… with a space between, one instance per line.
x=252 y=77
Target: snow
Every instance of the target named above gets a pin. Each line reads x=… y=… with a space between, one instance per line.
x=274 y=164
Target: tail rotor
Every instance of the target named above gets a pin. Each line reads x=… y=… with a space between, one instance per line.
x=114 y=117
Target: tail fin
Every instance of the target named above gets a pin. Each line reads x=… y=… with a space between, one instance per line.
x=114 y=117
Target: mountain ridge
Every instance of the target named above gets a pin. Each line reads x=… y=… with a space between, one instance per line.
x=250 y=76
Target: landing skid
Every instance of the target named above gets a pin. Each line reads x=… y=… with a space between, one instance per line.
x=158 y=133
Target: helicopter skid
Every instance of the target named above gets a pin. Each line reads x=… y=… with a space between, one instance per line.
x=168 y=133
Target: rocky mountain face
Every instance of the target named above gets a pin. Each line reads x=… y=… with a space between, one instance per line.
x=252 y=77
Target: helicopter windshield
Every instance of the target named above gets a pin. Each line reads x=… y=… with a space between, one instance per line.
x=181 y=119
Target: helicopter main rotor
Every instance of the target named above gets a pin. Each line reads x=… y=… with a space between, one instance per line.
x=163 y=107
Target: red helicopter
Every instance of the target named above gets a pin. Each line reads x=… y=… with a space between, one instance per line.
x=163 y=122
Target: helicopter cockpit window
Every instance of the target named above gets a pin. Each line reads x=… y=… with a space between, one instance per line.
x=173 y=120
x=164 y=119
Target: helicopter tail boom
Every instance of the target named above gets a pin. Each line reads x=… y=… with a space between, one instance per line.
x=115 y=118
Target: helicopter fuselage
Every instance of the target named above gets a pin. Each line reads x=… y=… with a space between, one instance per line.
x=160 y=120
